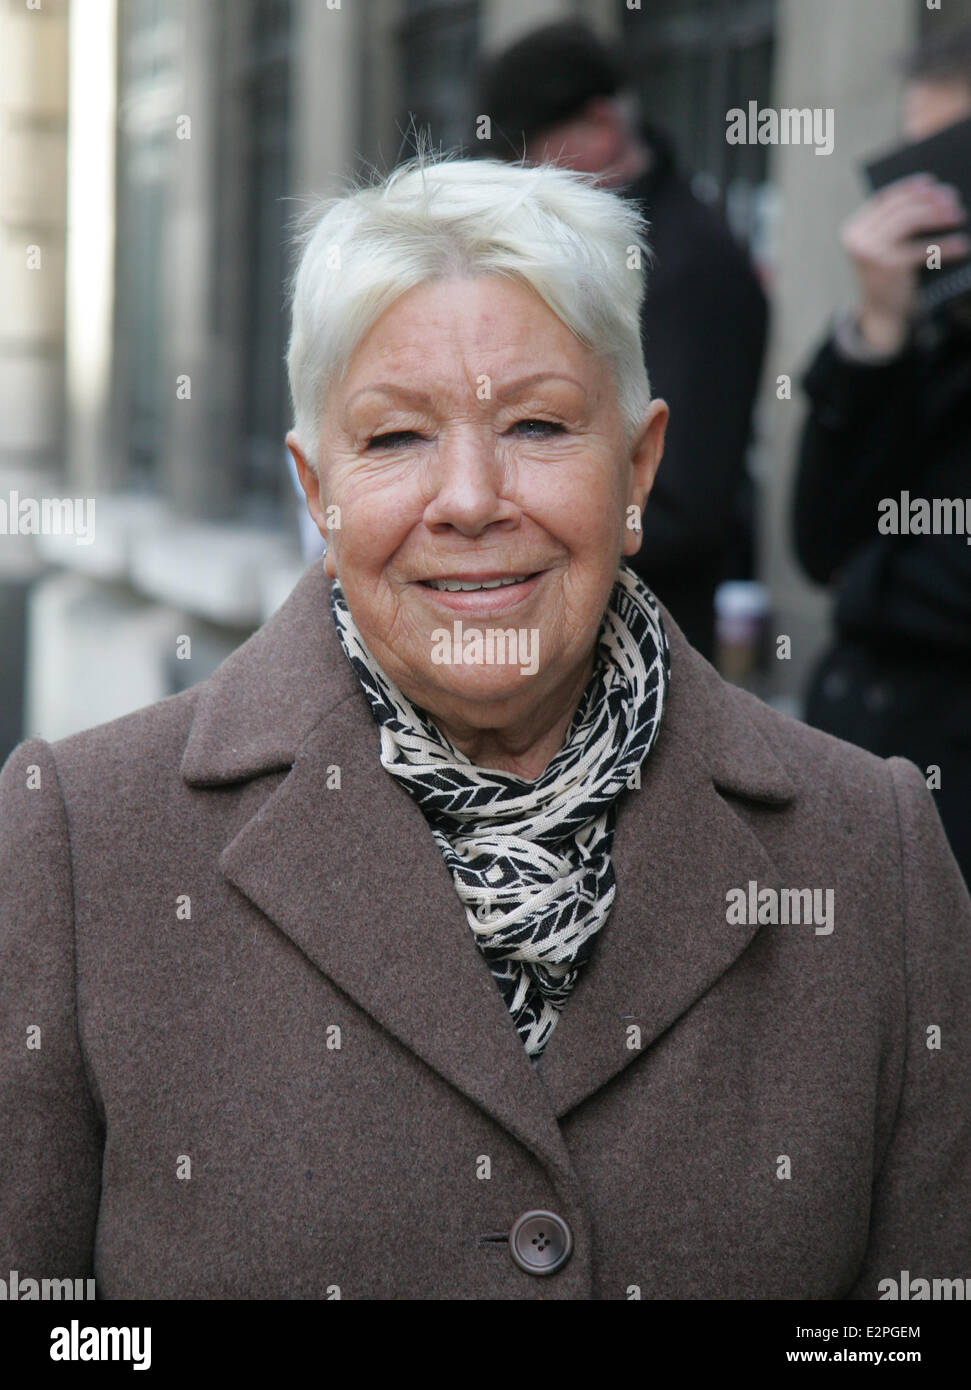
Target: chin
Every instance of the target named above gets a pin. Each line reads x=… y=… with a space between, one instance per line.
x=479 y=688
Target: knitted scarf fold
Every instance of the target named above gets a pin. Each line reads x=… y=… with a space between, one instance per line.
x=530 y=860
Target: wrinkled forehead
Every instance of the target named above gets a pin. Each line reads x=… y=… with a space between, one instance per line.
x=469 y=334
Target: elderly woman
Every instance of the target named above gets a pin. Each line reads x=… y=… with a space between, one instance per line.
x=465 y=936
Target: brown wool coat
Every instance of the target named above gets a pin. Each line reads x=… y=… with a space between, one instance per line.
x=211 y=1037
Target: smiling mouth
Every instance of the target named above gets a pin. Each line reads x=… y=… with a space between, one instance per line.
x=454 y=586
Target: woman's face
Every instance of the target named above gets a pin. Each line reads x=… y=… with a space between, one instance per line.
x=474 y=438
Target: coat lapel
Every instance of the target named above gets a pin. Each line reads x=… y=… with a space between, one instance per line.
x=678 y=847
x=353 y=876
x=365 y=894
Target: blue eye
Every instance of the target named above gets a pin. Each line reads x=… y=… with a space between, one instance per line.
x=545 y=428
x=534 y=429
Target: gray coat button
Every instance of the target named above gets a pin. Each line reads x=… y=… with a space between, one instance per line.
x=540 y=1242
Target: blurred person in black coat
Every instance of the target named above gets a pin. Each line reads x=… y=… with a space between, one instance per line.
x=561 y=94
x=890 y=413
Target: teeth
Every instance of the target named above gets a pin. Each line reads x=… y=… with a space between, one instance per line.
x=453 y=585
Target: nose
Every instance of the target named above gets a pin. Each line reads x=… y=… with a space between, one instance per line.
x=467 y=484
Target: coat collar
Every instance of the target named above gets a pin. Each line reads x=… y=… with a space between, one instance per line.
x=394 y=936
x=259 y=706
x=256 y=710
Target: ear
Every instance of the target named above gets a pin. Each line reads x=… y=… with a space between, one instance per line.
x=311 y=485
x=645 y=457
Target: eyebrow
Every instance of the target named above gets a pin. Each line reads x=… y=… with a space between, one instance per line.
x=501 y=393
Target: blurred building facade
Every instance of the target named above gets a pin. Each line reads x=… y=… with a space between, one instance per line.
x=152 y=155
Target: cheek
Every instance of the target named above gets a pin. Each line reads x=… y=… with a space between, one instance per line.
x=587 y=510
x=374 y=520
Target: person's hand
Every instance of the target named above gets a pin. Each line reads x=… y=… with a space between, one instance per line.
x=883 y=240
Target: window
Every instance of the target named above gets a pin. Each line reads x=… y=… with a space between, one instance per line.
x=150 y=41
x=267 y=57
x=695 y=60
x=438 y=46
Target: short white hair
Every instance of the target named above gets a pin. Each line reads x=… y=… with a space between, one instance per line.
x=582 y=249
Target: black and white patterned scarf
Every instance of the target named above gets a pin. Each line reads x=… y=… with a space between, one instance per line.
x=530 y=860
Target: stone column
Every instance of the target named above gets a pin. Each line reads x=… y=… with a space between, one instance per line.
x=829 y=54
x=33 y=211
x=91 y=242
x=327 y=94
x=189 y=361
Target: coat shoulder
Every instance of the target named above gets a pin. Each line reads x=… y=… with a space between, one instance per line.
x=248 y=717
x=757 y=752
x=146 y=744
x=810 y=756
x=829 y=775
x=156 y=726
